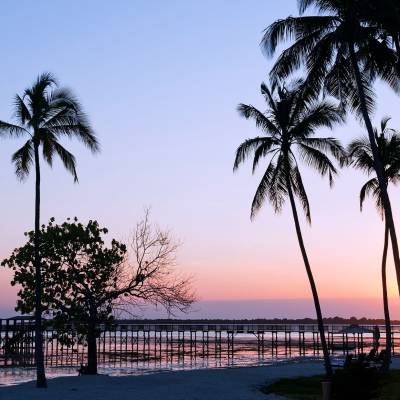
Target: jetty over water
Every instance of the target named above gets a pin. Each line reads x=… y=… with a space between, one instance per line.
x=134 y=343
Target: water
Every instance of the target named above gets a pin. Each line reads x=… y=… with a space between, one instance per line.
x=127 y=351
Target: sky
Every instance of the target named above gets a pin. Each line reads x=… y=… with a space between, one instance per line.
x=160 y=82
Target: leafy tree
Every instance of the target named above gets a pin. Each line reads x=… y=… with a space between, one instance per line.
x=343 y=51
x=86 y=281
x=44 y=114
x=360 y=156
x=288 y=128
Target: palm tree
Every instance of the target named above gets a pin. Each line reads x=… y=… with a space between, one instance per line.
x=343 y=55
x=44 y=114
x=360 y=156
x=288 y=127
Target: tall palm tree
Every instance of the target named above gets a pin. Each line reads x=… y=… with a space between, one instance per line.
x=360 y=156
x=44 y=114
x=288 y=127
x=343 y=55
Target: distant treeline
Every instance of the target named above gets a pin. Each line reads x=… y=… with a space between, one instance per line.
x=301 y=321
x=333 y=320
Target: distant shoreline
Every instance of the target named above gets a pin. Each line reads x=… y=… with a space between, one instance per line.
x=305 y=321
x=213 y=321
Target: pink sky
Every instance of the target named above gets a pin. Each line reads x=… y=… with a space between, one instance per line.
x=161 y=92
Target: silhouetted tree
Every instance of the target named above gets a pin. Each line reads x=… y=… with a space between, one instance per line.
x=86 y=281
x=385 y=16
x=288 y=126
x=44 y=114
x=343 y=53
x=360 y=156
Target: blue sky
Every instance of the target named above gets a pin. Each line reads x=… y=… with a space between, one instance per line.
x=160 y=81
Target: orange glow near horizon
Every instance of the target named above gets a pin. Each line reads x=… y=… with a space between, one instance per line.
x=168 y=140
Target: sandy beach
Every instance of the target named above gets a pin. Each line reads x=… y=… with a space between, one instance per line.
x=206 y=384
x=210 y=384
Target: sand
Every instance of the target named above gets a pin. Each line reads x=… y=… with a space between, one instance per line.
x=210 y=384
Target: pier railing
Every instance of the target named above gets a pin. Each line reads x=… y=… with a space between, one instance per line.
x=140 y=342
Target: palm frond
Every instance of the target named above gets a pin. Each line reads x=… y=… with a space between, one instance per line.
x=23 y=160
x=327 y=145
x=303 y=5
x=367 y=189
x=320 y=115
x=12 y=130
x=290 y=28
x=22 y=113
x=268 y=95
x=384 y=123
x=317 y=160
x=281 y=30
x=43 y=82
x=261 y=120
x=262 y=151
x=80 y=130
x=47 y=142
x=248 y=147
x=383 y=64
x=67 y=159
x=360 y=155
x=300 y=191
x=271 y=187
x=323 y=5
x=65 y=117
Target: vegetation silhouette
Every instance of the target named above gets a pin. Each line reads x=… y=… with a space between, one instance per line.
x=385 y=16
x=344 y=49
x=44 y=114
x=288 y=126
x=86 y=281
x=273 y=321
x=360 y=156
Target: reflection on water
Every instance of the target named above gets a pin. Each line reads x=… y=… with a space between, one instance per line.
x=127 y=352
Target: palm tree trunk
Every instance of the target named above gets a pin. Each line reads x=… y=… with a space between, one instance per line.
x=377 y=164
x=388 y=328
x=327 y=360
x=397 y=44
x=39 y=357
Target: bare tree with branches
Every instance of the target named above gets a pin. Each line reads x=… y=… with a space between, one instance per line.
x=86 y=282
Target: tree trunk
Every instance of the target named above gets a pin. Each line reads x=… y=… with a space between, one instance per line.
x=377 y=164
x=388 y=327
x=39 y=357
x=92 y=348
x=327 y=360
x=397 y=45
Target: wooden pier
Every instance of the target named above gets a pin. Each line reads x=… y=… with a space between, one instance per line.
x=130 y=342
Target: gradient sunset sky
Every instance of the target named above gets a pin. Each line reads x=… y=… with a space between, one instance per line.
x=160 y=81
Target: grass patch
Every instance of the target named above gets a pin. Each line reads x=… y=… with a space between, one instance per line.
x=390 y=386
x=309 y=388
x=303 y=388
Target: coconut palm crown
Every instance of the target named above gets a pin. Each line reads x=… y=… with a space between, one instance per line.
x=288 y=128
x=360 y=157
x=44 y=114
x=328 y=44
